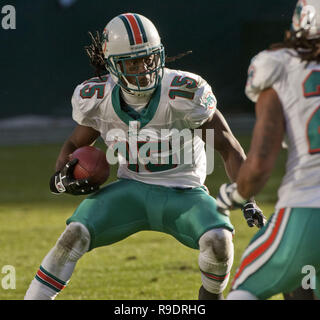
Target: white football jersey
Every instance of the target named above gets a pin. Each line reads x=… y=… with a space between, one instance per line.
x=146 y=143
x=298 y=87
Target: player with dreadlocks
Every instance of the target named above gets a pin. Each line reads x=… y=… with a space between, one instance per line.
x=97 y=60
x=308 y=49
x=284 y=83
x=167 y=196
x=299 y=40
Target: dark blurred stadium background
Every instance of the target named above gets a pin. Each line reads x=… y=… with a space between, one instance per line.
x=43 y=59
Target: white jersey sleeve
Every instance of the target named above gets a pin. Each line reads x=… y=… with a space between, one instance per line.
x=85 y=104
x=265 y=70
x=194 y=101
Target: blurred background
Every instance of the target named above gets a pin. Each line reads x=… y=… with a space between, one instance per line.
x=43 y=59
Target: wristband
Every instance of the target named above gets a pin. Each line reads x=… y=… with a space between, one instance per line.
x=238 y=198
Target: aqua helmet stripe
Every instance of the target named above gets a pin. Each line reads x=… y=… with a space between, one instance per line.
x=141 y=27
x=134 y=27
x=129 y=31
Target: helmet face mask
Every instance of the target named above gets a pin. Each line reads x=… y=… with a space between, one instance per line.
x=138 y=72
x=133 y=53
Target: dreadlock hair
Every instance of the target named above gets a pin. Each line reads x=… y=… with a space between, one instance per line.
x=178 y=56
x=97 y=60
x=307 y=49
x=95 y=54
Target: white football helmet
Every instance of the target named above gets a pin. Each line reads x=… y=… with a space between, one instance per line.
x=307 y=17
x=131 y=36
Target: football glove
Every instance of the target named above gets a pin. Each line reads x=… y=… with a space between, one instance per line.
x=253 y=214
x=229 y=198
x=64 y=182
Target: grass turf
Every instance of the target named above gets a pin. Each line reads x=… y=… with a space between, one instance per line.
x=147 y=265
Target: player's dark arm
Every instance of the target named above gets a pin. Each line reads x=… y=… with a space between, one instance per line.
x=268 y=134
x=62 y=181
x=81 y=136
x=226 y=144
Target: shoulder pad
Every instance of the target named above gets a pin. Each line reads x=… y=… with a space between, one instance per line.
x=86 y=99
x=191 y=96
x=265 y=69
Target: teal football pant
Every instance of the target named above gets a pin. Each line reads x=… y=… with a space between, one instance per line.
x=126 y=206
x=279 y=256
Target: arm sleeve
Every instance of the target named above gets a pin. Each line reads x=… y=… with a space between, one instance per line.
x=198 y=107
x=264 y=71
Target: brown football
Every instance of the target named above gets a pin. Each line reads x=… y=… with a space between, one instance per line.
x=92 y=165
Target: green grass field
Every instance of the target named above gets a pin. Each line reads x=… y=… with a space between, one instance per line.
x=147 y=265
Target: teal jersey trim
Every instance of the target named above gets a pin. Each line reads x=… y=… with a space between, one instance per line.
x=127 y=114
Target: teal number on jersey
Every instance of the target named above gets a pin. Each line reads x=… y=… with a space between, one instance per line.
x=88 y=91
x=160 y=148
x=180 y=81
x=173 y=93
x=313 y=130
x=157 y=147
x=311 y=85
x=311 y=88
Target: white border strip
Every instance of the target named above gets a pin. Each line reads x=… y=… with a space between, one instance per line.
x=249 y=270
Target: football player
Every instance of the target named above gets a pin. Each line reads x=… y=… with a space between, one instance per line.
x=284 y=82
x=140 y=93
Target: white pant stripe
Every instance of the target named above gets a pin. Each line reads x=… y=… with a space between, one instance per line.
x=261 y=260
x=261 y=239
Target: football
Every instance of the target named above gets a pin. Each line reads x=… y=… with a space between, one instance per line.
x=92 y=165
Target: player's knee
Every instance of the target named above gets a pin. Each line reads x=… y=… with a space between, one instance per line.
x=217 y=243
x=75 y=238
x=215 y=258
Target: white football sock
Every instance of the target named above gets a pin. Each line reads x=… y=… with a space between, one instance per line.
x=57 y=267
x=215 y=259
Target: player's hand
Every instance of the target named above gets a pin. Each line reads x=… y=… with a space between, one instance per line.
x=64 y=182
x=253 y=214
x=229 y=198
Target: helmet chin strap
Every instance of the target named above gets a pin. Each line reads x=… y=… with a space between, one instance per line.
x=134 y=100
x=145 y=93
